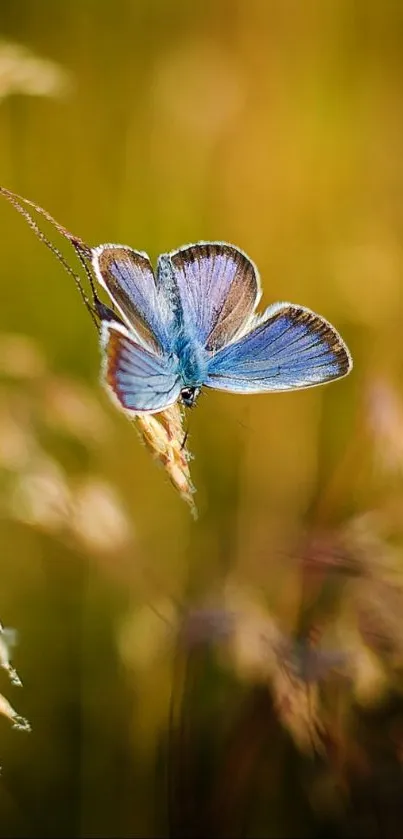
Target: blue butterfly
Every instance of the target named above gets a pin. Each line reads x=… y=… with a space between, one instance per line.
x=193 y=324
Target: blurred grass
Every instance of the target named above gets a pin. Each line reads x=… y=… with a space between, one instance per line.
x=275 y=126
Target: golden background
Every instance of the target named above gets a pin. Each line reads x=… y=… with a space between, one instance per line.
x=276 y=126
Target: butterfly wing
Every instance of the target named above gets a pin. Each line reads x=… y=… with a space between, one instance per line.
x=128 y=278
x=291 y=347
x=218 y=288
x=136 y=378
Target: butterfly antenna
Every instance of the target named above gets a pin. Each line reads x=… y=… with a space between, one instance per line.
x=82 y=250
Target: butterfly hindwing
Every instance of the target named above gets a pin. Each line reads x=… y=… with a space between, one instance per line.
x=218 y=288
x=291 y=347
x=137 y=378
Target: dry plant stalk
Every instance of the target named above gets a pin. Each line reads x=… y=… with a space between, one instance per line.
x=164 y=436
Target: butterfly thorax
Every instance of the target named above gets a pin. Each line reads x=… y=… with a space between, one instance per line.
x=192 y=362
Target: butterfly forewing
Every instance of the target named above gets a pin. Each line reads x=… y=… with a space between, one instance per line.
x=218 y=287
x=138 y=379
x=128 y=277
x=291 y=347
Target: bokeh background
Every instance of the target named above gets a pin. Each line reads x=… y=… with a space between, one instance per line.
x=239 y=674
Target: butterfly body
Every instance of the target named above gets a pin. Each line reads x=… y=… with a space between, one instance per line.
x=193 y=361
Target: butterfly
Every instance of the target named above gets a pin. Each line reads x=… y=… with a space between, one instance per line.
x=192 y=323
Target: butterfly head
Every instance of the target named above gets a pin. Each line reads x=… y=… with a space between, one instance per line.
x=189 y=395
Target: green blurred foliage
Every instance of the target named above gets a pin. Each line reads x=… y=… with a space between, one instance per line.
x=276 y=126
